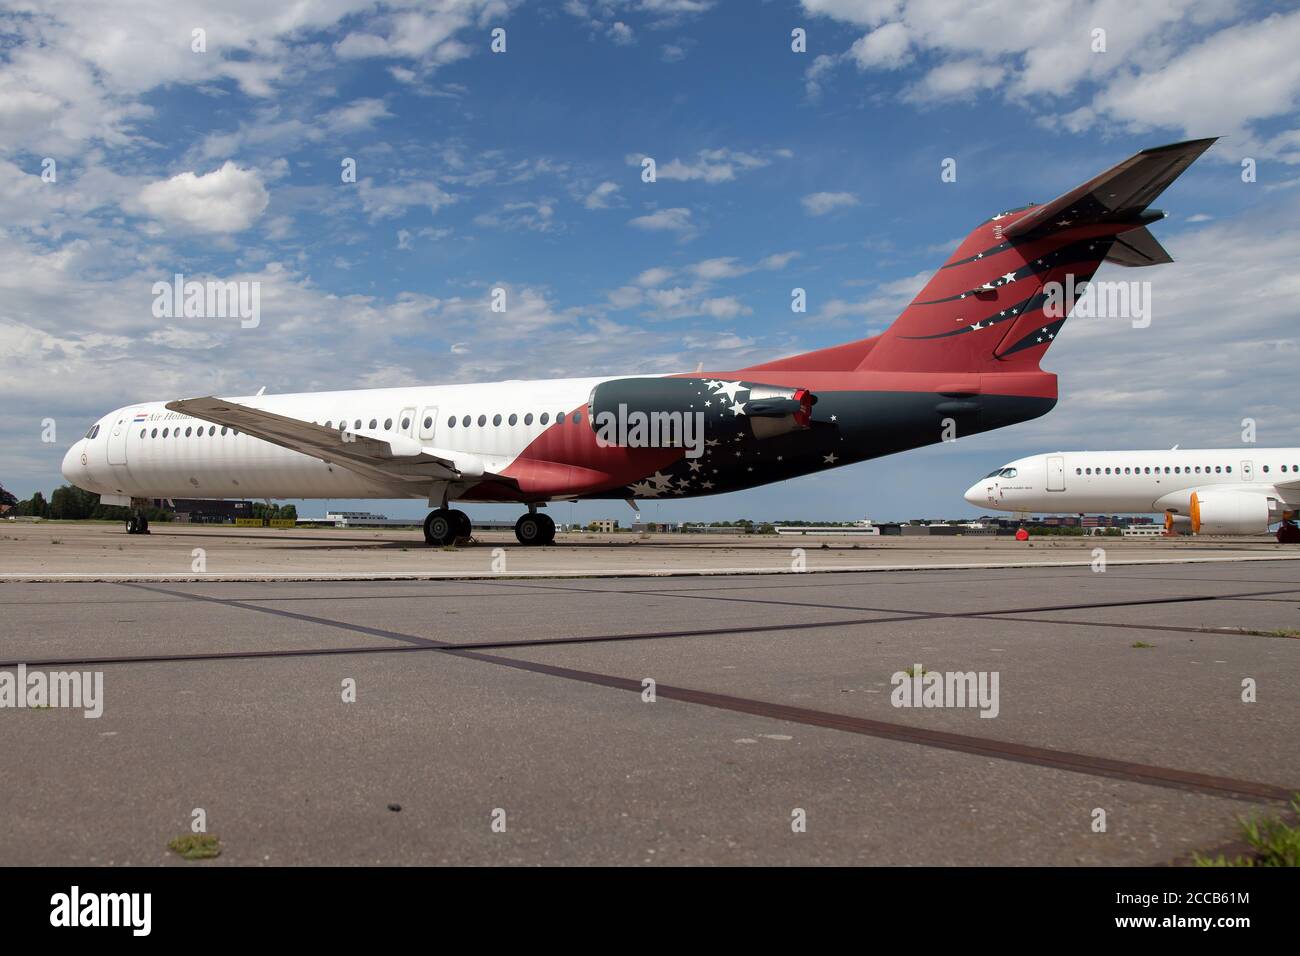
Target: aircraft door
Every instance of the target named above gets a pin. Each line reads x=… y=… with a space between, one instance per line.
x=1055 y=473
x=117 y=437
x=428 y=422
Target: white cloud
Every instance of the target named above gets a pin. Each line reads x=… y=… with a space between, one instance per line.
x=709 y=165
x=621 y=34
x=1198 y=66
x=601 y=196
x=724 y=307
x=677 y=219
x=229 y=199
x=885 y=48
x=819 y=204
x=392 y=200
x=655 y=276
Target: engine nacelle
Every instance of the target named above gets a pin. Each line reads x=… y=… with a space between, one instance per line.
x=1229 y=512
x=1177 y=524
x=668 y=412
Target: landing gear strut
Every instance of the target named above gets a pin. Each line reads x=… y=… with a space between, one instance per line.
x=534 y=528
x=446 y=525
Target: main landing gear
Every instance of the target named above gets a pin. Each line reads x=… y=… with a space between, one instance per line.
x=445 y=526
x=534 y=528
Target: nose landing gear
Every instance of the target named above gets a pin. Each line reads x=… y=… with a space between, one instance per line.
x=137 y=522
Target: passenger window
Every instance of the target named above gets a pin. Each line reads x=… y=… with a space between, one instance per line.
x=482 y=420
x=451 y=422
x=1218 y=469
x=166 y=430
x=1078 y=471
x=388 y=424
x=223 y=428
x=374 y=424
x=546 y=417
x=406 y=423
x=1266 y=469
x=528 y=418
x=330 y=423
x=577 y=418
x=514 y=419
x=154 y=433
x=496 y=419
x=142 y=433
x=465 y=421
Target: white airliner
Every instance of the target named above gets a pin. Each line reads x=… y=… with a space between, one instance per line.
x=1204 y=491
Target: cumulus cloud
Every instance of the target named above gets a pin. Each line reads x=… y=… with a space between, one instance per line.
x=226 y=200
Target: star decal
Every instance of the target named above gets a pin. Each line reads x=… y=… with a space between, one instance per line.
x=738 y=408
x=830 y=459
x=730 y=389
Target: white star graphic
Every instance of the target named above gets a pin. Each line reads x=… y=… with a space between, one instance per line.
x=661 y=480
x=738 y=408
x=644 y=489
x=706 y=485
x=730 y=389
x=830 y=459
x=1010 y=277
x=695 y=465
x=835 y=418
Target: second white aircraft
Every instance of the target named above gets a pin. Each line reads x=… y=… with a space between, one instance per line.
x=1203 y=491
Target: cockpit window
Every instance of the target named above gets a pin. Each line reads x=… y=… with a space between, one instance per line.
x=94 y=430
x=1008 y=473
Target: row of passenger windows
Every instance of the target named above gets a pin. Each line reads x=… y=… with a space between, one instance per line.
x=176 y=432
x=513 y=419
x=1176 y=470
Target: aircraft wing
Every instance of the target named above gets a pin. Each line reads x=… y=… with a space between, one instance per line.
x=381 y=456
x=1121 y=192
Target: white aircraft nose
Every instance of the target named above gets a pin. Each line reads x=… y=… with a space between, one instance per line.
x=975 y=495
x=71 y=467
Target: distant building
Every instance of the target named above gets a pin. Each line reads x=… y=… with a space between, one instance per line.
x=204 y=510
x=604 y=526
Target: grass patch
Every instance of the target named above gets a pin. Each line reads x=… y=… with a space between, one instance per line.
x=1142 y=644
x=1273 y=842
x=196 y=846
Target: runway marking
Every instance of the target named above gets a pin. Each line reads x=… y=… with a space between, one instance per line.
x=1250 y=790
x=310 y=619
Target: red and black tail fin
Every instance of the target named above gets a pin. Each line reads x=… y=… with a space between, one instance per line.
x=984 y=309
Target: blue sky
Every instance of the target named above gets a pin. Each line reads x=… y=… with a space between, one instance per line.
x=521 y=169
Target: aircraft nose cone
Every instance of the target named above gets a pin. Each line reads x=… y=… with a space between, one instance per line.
x=973 y=495
x=71 y=467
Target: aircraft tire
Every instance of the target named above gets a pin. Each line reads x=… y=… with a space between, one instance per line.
x=439 y=528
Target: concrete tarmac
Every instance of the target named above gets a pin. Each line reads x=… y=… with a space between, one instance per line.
x=525 y=702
